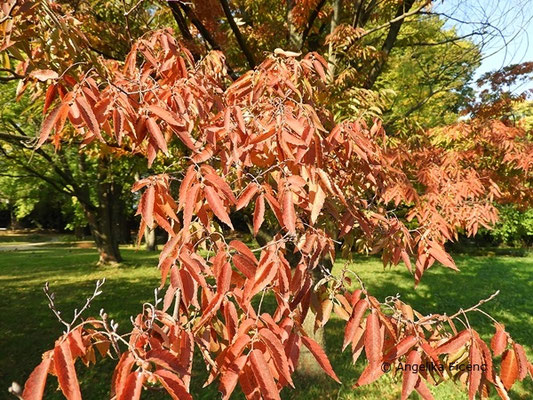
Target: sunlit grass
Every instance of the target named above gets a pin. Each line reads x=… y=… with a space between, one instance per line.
x=27 y=327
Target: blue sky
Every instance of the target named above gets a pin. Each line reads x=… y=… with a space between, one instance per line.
x=509 y=38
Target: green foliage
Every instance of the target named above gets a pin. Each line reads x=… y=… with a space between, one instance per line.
x=429 y=71
x=515 y=226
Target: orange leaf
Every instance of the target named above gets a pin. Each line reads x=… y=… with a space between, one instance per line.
x=320 y=356
x=354 y=321
x=262 y=374
x=318 y=202
x=401 y=348
x=410 y=377
x=88 y=116
x=154 y=130
x=164 y=115
x=217 y=206
x=371 y=373
x=48 y=125
x=499 y=340
x=522 y=361
x=247 y=195
x=121 y=373
x=259 y=213
x=133 y=387
x=275 y=349
x=229 y=379
x=288 y=213
x=173 y=384
x=423 y=390
x=373 y=342
x=34 y=387
x=454 y=344
x=66 y=373
x=509 y=369
x=189 y=205
x=475 y=373
x=147 y=206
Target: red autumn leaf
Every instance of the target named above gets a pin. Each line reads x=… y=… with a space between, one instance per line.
x=244 y=265
x=219 y=183
x=147 y=206
x=34 y=386
x=269 y=389
x=216 y=205
x=122 y=370
x=410 y=376
x=153 y=129
x=401 y=348
x=354 y=321
x=229 y=380
x=165 y=359
x=277 y=352
x=224 y=278
x=48 y=125
x=185 y=185
x=370 y=374
x=247 y=195
x=132 y=387
x=263 y=276
x=288 y=212
x=423 y=390
x=44 y=74
x=66 y=373
x=87 y=114
x=189 y=205
x=499 y=340
x=373 y=341
x=509 y=369
x=173 y=385
x=318 y=202
x=522 y=360
x=320 y=356
x=210 y=310
x=259 y=213
x=454 y=344
x=51 y=94
x=476 y=372
x=164 y=115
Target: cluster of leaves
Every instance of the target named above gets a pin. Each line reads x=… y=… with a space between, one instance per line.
x=267 y=144
x=267 y=137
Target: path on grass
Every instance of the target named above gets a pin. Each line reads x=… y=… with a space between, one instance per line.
x=51 y=244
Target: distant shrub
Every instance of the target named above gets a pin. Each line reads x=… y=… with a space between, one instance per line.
x=515 y=227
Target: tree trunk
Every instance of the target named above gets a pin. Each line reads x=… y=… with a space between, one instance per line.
x=150 y=239
x=120 y=219
x=105 y=244
x=308 y=367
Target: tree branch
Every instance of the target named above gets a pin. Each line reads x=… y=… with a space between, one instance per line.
x=180 y=20
x=205 y=34
x=234 y=27
x=312 y=17
x=394 y=28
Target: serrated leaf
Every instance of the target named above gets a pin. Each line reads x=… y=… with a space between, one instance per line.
x=320 y=356
x=36 y=382
x=410 y=377
x=66 y=373
x=217 y=206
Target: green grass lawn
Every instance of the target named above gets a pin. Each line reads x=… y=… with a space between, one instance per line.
x=28 y=328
